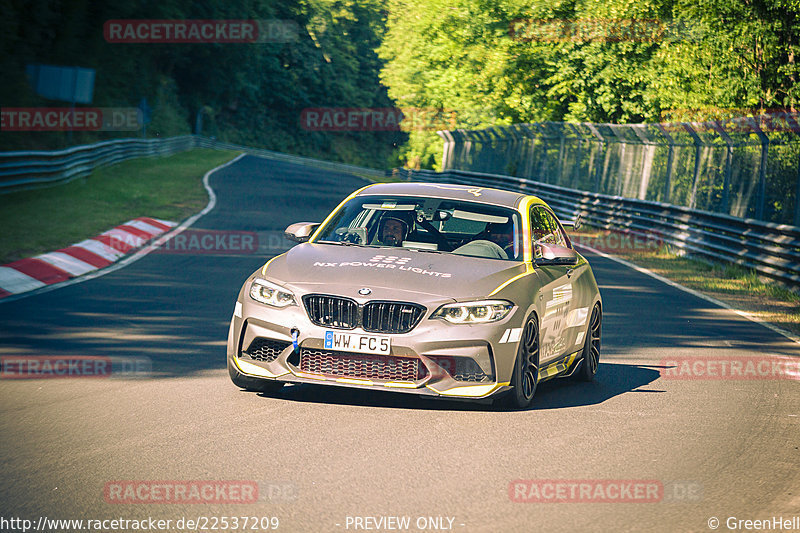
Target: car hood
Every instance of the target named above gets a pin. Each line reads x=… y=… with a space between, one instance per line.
x=390 y=273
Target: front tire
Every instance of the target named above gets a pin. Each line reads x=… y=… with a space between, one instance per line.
x=526 y=368
x=591 y=347
x=252 y=384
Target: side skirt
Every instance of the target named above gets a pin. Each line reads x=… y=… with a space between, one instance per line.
x=563 y=367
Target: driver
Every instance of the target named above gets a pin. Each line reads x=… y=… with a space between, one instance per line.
x=393 y=231
x=501 y=234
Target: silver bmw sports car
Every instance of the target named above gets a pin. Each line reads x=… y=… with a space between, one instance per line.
x=431 y=289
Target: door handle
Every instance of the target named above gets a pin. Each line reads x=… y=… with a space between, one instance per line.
x=569 y=272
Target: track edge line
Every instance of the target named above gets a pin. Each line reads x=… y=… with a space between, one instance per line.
x=744 y=314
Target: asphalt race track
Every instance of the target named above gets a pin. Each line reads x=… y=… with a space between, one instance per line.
x=717 y=447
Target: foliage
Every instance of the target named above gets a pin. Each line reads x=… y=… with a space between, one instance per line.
x=247 y=93
x=477 y=62
x=613 y=61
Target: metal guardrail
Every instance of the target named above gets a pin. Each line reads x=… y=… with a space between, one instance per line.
x=770 y=249
x=746 y=167
x=32 y=169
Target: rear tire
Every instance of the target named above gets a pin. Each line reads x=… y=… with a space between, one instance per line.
x=250 y=383
x=591 y=347
x=526 y=368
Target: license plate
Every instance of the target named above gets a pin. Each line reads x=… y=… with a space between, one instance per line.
x=352 y=342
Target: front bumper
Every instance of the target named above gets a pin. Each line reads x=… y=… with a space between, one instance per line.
x=464 y=361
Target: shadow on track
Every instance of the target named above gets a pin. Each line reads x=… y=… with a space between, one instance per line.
x=613 y=379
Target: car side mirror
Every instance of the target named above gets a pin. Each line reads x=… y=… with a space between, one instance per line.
x=552 y=254
x=301 y=231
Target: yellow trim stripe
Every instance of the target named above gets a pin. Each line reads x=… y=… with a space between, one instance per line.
x=527 y=244
x=264 y=268
x=524 y=211
x=338 y=207
x=550 y=371
x=254 y=370
x=476 y=391
x=528 y=270
x=401 y=384
x=557 y=367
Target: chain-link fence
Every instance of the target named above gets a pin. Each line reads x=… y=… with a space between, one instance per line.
x=747 y=167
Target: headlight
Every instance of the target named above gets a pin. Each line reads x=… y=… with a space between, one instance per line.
x=268 y=293
x=474 y=312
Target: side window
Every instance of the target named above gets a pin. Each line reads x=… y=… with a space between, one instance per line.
x=538 y=231
x=557 y=230
x=545 y=229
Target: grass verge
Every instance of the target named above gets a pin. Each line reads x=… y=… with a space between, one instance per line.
x=43 y=220
x=740 y=288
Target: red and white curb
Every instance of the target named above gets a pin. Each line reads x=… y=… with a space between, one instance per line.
x=76 y=260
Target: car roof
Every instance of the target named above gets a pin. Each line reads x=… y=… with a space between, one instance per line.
x=470 y=193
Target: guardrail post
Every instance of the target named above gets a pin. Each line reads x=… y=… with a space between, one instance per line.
x=560 y=167
x=601 y=150
x=647 y=158
x=543 y=166
x=492 y=142
x=466 y=150
x=762 y=169
x=530 y=142
x=513 y=149
x=599 y=158
x=576 y=170
x=623 y=150
x=797 y=196
x=622 y=147
x=670 y=159
x=726 y=184
x=795 y=127
x=447 y=151
x=543 y=153
x=696 y=174
x=762 y=182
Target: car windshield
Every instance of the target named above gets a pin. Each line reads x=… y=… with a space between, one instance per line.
x=427 y=224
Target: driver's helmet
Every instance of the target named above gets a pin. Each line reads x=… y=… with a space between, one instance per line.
x=392 y=239
x=501 y=233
